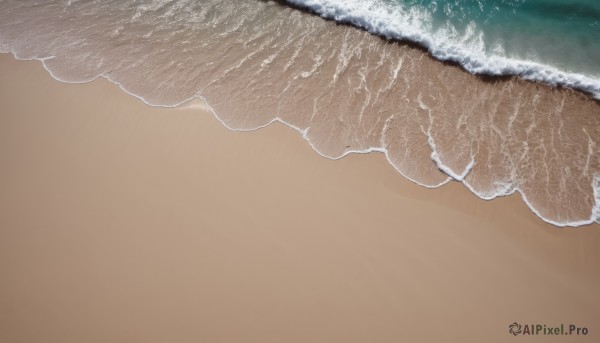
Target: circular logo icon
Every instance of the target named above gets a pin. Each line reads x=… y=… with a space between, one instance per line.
x=514 y=328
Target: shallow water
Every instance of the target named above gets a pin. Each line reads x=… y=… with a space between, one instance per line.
x=545 y=40
x=342 y=88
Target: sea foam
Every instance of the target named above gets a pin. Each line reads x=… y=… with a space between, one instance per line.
x=466 y=47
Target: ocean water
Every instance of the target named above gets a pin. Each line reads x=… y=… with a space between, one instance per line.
x=553 y=41
x=346 y=89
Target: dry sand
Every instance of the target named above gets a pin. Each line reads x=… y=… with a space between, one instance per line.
x=121 y=222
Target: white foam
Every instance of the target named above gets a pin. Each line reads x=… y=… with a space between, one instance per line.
x=446 y=44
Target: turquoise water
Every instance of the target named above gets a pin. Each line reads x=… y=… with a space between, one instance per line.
x=553 y=41
x=561 y=33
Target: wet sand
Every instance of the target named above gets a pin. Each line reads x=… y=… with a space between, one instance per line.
x=121 y=222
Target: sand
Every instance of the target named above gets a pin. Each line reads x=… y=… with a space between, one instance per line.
x=121 y=222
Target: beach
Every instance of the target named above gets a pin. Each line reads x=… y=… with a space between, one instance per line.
x=125 y=222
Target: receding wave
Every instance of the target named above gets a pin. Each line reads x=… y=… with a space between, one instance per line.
x=345 y=90
x=467 y=46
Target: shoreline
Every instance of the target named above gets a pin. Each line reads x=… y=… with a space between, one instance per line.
x=161 y=224
x=303 y=133
x=493 y=137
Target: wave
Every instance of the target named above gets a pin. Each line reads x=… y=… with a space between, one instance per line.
x=467 y=48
